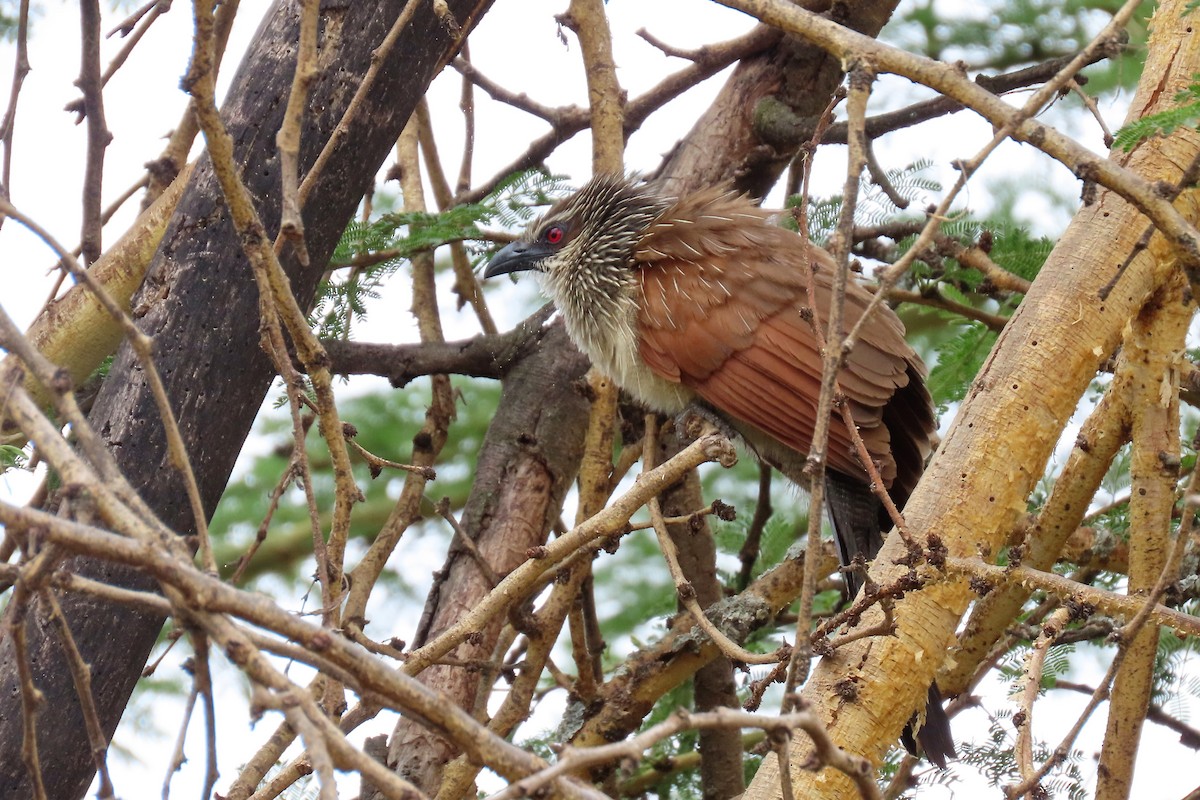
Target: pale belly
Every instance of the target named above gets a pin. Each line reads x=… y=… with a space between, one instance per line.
x=613 y=349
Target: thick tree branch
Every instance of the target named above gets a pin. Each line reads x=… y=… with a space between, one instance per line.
x=484 y=356
x=200 y=298
x=1151 y=349
x=974 y=493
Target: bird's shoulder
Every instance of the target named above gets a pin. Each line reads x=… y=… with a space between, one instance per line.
x=715 y=232
x=714 y=250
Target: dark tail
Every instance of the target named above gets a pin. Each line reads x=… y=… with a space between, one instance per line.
x=934 y=736
x=859 y=520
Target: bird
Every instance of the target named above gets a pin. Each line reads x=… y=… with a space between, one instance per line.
x=699 y=301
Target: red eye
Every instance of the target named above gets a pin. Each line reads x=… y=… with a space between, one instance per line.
x=554 y=235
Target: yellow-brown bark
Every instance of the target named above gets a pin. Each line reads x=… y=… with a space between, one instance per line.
x=1152 y=353
x=975 y=491
x=74 y=331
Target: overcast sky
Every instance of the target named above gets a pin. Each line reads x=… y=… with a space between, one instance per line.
x=517 y=45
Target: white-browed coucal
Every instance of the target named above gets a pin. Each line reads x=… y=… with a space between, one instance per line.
x=698 y=301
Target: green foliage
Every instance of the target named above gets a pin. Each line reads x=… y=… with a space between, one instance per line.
x=1186 y=114
x=1019 y=252
x=961 y=353
x=386 y=423
x=958 y=363
x=1011 y=247
x=101 y=371
x=1056 y=664
x=542 y=745
x=638 y=590
x=11 y=457
x=994 y=757
x=998 y=35
x=738 y=487
x=381 y=246
x=874 y=206
x=1117 y=477
x=676 y=784
x=779 y=534
x=1174 y=673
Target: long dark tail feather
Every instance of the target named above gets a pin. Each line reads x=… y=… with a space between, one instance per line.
x=856 y=521
x=935 y=737
x=859 y=520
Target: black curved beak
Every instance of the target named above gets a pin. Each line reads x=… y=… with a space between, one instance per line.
x=515 y=257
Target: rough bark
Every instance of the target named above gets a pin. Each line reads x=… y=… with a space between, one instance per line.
x=526 y=464
x=200 y=304
x=1151 y=353
x=724 y=143
x=755 y=126
x=1105 y=431
x=975 y=490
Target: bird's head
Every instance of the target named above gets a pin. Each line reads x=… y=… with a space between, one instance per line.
x=588 y=237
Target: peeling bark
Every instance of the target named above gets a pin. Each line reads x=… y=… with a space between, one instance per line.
x=975 y=491
x=1152 y=351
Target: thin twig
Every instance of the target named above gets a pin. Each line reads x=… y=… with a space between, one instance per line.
x=204 y=685
x=291 y=225
x=829 y=333
x=20 y=70
x=464 y=539
x=573 y=760
x=31 y=702
x=1034 y=663
x=1090 y=103
x=748 y=554
x=285 y=480
x=178 y=756
x=81 y=674
x=466 y=284
x=98 y=135
x=377 y=465
x=466 y=104
x=684 y=589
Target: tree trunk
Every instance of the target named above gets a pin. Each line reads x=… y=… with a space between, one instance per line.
x=199 y=302
x=725 y=142
x=768 y=108
x=975 y=491
x=526 y=464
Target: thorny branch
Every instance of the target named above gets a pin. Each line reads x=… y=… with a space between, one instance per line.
x=801 y=658
x=684 y=590
x=484 y=356
x=573 y=759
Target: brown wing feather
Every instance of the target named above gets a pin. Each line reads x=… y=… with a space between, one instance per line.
x=722 y=292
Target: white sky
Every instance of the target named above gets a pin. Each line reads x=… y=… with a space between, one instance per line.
x=518 y=46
